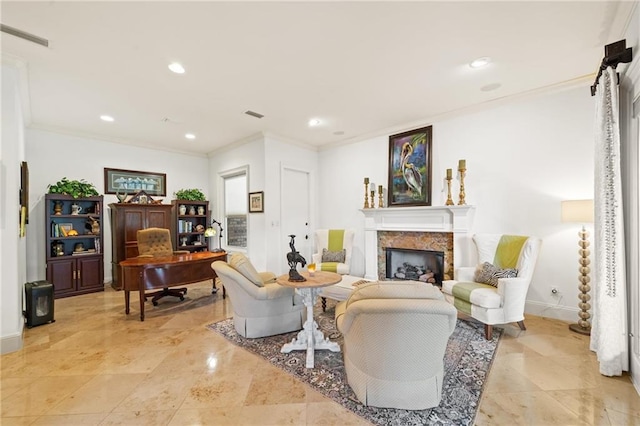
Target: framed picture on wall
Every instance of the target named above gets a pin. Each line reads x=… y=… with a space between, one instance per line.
x=132 y=182
x=256 y=202
x=410 y=168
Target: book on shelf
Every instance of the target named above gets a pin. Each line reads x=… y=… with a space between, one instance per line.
x=80 y=253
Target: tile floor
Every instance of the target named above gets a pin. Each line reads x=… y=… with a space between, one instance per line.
x=97 y=366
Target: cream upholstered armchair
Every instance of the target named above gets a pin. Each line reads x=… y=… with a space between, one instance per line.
x=333 y=250
x=156 y=242
x=261 y=307
x=495 y=291
x=395 y=337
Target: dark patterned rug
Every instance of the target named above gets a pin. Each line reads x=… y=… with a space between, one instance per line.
x=467 y=362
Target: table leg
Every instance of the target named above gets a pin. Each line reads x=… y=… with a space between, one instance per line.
x=141 y=292
x=126 y=301
x=310 y=338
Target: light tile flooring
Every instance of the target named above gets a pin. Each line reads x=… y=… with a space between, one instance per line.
x=97 y=366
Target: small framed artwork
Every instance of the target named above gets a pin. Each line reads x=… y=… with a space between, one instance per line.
x=65 y=228
x=256 y=202
x=410 y=168
x=130 y=182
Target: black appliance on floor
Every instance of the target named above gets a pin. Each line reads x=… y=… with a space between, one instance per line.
x=39 y=303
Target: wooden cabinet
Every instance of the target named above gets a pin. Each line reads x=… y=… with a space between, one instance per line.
x=190 y=220
x=74 y=241
x=126 y=220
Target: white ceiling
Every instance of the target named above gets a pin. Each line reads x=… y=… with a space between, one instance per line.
x=362 y=68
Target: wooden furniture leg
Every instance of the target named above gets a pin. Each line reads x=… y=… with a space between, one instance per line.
x=488 y=331
x=521 y=325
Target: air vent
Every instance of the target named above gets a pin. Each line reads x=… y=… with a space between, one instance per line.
x=254 y=114
x=24 y=35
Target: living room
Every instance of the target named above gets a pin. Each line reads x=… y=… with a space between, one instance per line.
x=524 y=154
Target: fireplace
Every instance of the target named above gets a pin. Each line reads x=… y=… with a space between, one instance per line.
x=416 y=265
x=446 y=229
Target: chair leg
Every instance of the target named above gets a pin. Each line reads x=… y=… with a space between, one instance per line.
x=175 y=292
x=521 y=325
x=488 y=331
x=324 y=304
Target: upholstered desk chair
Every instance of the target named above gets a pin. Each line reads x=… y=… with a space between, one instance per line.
x=495 y=291
x=395 y=337
x=156 y=242
x=261 y=307
x=333 y=250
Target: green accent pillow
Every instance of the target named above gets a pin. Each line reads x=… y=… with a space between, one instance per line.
x=489 y=274
x=508 y=251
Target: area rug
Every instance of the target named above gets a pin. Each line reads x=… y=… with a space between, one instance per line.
x=467 y=362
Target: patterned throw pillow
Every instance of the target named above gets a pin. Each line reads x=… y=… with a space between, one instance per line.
x=333 y=256
x=489 y=274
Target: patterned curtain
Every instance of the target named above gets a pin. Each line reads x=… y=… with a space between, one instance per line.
x=609 y=326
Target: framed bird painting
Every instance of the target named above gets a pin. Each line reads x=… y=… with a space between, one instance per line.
x=410 y=168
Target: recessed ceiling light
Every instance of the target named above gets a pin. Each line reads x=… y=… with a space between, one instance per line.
x=480 y=62
x=176 y=67
x=106 y=118
x=190 y=136
x=314 y=122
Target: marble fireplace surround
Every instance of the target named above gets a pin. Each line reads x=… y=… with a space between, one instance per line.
x=446 y=228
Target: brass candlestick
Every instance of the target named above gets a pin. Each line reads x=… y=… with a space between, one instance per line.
x=380 y=200
x=449 y=199
x=462 y=201
x=366 y=196
x=373 y=195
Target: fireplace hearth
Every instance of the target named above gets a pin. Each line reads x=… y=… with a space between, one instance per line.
x=417 y=265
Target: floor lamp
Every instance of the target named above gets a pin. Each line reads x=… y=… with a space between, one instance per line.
x=581 y=211
x=211 y=231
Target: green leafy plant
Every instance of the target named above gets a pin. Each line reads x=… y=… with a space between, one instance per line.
x=75 y=188
x=189 y=195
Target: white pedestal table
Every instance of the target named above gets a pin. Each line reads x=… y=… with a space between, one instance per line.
x=310 y=337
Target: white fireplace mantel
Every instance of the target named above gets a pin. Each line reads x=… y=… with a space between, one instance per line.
x=455 y=219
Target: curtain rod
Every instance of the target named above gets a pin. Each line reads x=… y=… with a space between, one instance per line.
x=614 y=54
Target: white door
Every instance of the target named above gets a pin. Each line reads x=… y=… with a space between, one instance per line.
x=296 y=211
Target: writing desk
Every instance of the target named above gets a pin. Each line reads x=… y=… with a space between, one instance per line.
x=148 y=273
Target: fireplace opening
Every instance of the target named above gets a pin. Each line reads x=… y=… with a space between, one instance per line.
x=417 y=265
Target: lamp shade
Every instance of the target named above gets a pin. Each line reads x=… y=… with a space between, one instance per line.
x=580 y=211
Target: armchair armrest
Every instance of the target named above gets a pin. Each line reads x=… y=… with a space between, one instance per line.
x=275 y=291
x=514 y=294
x=267 y=277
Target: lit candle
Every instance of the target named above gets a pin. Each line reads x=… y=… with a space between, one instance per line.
x=366 y=181
x=380 y=189
x=462 y=164
x=448 y=173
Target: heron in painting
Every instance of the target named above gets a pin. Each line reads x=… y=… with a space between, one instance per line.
x=410 y=173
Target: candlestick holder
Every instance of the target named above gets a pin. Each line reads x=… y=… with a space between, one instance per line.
x=380 y=200
x=449 y=199
x=366 y=195
x=462 y=201
x=373 y=199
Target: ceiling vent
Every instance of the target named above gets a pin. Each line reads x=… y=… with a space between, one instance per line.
x=24 y=35
x=254 y=114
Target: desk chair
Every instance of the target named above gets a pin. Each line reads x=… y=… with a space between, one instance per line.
x=156 y=242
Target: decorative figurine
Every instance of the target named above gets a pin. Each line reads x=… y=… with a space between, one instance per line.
x=294 y=257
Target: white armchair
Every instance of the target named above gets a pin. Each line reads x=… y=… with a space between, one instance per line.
x=261 y=307
x=495 y=291
x=333 y=250
x=395 y=337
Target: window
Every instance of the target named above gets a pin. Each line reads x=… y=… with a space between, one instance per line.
x=235 y=208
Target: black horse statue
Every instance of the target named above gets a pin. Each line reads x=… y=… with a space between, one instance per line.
x=294 y=257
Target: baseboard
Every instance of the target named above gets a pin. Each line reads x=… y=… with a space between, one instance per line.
x=635 y=372
x=10 y=343
x=547 y=310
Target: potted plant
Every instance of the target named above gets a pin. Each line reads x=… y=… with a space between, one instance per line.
x=189 y=195
x=75 y=188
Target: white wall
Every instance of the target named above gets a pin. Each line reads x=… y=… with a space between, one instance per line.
x=52 y=156
x=12 y=247
x=523 y=158
x=264 y=155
